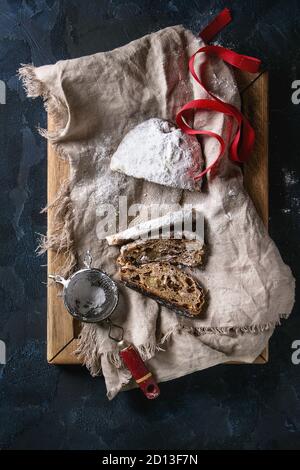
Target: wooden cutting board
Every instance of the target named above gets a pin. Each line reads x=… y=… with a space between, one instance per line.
x=62 y=329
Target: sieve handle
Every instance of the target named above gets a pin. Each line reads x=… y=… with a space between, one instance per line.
x=59 y=279
x=139 y=371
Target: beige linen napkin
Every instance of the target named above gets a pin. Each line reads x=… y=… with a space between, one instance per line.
x=96 y=100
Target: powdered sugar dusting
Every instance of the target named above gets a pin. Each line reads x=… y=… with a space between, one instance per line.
x=221 y=86
x=157 y=151
x=290 y=177
x=291 y=181
x=111 y=184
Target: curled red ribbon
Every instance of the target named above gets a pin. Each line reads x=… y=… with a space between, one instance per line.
x=243 y=141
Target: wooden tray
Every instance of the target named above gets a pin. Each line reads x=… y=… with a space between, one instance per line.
x=62 y=329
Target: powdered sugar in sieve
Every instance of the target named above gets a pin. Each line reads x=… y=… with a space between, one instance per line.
x=89 y=294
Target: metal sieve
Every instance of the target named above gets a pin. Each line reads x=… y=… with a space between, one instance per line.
x=91 y=296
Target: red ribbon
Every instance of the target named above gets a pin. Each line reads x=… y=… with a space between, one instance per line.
x=243 y=141
x=216 y=25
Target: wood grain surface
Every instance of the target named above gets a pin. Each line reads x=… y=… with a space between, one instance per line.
x=62 y=329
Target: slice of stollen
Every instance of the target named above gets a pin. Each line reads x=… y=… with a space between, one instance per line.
x=157 y=151
x=184 y=223
x=168 y=285
x=186 y=252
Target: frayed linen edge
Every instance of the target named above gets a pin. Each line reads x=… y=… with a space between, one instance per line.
x=55 y=107
x=60 y=240
x=240 y=330
x=91 y=356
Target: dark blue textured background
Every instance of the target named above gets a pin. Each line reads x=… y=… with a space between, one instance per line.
x=50 y=407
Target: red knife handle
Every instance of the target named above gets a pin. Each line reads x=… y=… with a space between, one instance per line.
x=139 y=371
